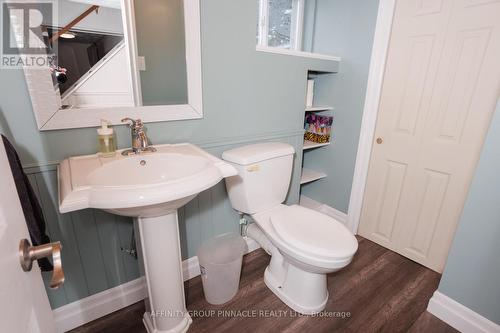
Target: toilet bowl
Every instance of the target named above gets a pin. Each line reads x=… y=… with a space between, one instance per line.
x=304 y=245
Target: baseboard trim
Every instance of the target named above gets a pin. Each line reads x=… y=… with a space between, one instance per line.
x=323 y=208
x=459 y=316
x=90 y=308
x=85 y=310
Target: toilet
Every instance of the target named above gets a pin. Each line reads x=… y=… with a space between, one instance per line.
x=304 y=245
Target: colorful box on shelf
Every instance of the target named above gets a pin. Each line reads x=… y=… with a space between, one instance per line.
x=318 y=128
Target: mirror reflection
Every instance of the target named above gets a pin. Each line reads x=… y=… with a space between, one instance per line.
x=79 y=52
x=94 y=55
x=88 y=38
x=162 y=52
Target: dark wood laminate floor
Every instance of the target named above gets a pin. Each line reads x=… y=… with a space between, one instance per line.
x=381 y=290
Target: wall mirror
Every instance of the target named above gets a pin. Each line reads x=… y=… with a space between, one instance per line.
x=290 y=26
x=118 y=58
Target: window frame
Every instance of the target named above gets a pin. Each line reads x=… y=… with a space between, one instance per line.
x=296 y=28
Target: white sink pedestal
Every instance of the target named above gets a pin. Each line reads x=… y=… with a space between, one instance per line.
x=150 y=188
x=161 y=254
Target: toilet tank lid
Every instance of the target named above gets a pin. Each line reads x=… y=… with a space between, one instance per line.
x=257 y=152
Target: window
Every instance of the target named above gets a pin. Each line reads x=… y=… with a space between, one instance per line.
x=280 y=23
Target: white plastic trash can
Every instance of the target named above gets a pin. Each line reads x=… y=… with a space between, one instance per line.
x=220 y=265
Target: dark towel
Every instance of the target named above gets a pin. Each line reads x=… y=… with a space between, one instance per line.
x=29 y=202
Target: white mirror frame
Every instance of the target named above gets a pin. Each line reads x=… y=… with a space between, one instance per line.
x=46 y=102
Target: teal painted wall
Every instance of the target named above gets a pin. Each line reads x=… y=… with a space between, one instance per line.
x=345 y=28
x=472 y=272
x=248 y=96
x=91 y=239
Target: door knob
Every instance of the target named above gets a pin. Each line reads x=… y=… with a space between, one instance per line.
x=380 y=140
x=28 y=254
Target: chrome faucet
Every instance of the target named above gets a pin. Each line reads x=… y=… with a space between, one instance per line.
x=140 y=141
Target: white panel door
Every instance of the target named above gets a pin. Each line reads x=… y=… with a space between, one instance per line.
x=24 y=307
x=440 y=88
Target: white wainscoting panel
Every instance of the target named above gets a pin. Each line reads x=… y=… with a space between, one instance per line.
x=78 y=313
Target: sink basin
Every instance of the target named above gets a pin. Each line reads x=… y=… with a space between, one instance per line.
x=147 y=170
x=139 y=186
x=150 y=188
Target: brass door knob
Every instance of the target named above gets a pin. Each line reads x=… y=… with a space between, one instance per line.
x=28 y=254
x=380 y=140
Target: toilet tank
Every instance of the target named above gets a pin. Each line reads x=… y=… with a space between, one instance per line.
x=264 y=173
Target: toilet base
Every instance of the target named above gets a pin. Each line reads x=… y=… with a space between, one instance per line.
x=302 y=291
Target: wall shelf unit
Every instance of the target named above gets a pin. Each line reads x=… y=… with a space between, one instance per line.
x=318 y=108
x=309 y=175
x=311 y=145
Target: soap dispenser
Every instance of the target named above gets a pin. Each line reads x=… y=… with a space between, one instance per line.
x=107 y=145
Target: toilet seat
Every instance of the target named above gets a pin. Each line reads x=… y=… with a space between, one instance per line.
x=312 y=233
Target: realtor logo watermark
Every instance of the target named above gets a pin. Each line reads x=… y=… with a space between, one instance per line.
x=24 y=38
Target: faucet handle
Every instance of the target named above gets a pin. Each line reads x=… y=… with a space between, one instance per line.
x=134 y=124
x=127 y=119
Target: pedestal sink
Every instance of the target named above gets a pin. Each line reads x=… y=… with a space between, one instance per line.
x=149 y=187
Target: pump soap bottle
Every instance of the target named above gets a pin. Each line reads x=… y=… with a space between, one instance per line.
x=106 y=138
